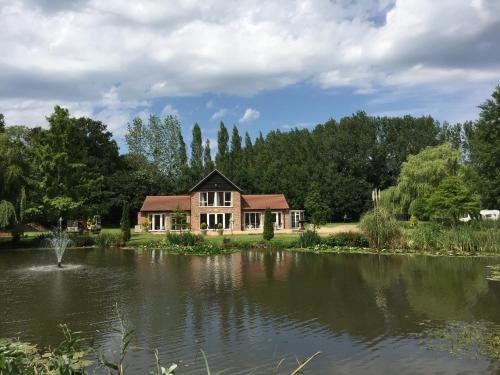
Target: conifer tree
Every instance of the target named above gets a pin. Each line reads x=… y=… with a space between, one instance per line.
x=268 y=225
x=2 y=123
x=235 y=156
x=196 y=154
x=208 y=163
x=221 y=159
x=125 y=222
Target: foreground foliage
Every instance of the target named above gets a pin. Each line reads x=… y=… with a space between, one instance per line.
x=76 y=356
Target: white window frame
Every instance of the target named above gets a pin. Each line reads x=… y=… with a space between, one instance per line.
x=225 y=203
x=276 y=226
x=300 y=214
x=253 y=227
x=163 y=219
x=224 y=214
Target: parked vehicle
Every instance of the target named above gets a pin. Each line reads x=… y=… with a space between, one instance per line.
x=92 y=225
x=490 y=214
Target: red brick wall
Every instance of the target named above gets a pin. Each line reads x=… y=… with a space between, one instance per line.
x=196 y=210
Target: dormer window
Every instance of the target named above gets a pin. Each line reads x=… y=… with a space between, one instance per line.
x=216 y=198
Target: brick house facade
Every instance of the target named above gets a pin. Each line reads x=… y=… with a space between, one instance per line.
x=215 y=201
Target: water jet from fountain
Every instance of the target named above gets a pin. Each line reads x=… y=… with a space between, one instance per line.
x=58 y=241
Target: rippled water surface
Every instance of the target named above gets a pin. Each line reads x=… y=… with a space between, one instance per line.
x=248 y=310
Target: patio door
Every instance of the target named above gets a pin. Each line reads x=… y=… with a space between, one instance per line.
x=215 y=218
x=276 y=219
x=296 y=217
x=157 y=222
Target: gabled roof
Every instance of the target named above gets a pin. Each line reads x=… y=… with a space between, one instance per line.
x=166 y=203
x=211 y=174
x=263 y=201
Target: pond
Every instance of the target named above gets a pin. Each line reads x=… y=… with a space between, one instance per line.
x=248 y=310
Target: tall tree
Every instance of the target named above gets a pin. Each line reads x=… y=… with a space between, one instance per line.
x=184 y=178
x=221 y=159
x=136 y=137
x=420 y=175
x=2 y=123
x=317 y=210
x=485 y=150
x=71 y=161
x=196 y=154
x=452 y=199
x=235 y=156
x=208 y=163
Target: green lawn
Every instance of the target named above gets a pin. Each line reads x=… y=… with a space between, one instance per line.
x=335 y=225
x=138 y=239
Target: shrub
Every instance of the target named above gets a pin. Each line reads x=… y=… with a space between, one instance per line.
x=268 y=225
x=468 y=237
x=413 y=221
x=349 y=239
x=203 y=226
x=184 y=239
x=425 y=237
x=106 y=240
x=82 y=240
x=309 y=239
x=381 y=229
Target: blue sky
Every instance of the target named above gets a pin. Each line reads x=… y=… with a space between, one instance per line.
x=261 y=65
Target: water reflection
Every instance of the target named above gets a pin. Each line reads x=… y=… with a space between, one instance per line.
x=249 y=309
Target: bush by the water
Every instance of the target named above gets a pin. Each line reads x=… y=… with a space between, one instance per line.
x=346 y=239
x=381 y=229
x=478 y=236
x=184 y=239
x=105 y=240
x=82 y=240
x=309 y=239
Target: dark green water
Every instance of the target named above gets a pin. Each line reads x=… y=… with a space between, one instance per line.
x=248 y=310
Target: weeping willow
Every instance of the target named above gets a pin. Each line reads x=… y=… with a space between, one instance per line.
x=7 y=213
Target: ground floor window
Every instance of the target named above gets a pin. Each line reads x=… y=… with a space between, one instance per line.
x=276 y=219
x=156 y=221
x=252 y=220
x=213 y=219
x=296 y=216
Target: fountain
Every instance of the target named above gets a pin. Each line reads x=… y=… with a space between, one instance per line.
x=59 y=241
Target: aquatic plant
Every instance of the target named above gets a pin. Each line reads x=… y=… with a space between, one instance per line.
x=381 y=229
x=464 y=339
x=71 y=357
x=309 y=239
x=184 y=238
x=352 y=239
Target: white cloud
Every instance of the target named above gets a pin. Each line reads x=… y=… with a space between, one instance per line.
x=249 y=115
x=170 y=110
x=217 y=115
x=59 y=52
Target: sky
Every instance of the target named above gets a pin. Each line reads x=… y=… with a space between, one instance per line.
x=260 y=65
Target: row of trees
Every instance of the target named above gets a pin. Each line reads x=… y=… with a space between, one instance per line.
x=73 y=167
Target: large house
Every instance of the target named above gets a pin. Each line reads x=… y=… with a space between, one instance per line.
x=213 y=200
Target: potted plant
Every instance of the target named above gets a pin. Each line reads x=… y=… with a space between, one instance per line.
x=220 y=229
x=203 y=228
x=145 y=225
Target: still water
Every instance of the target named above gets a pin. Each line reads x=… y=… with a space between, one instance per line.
x=365 y=313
